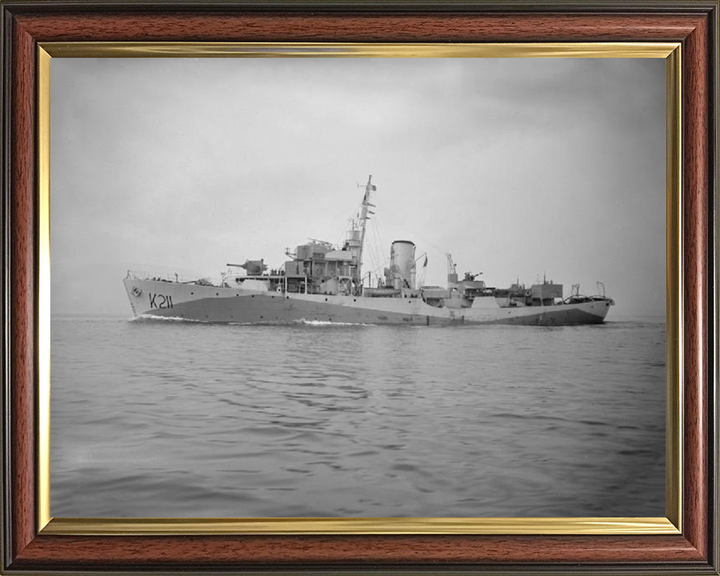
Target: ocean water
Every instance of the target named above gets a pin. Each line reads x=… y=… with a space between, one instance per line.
x=171 y=419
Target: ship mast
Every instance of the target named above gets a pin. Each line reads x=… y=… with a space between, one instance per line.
x=356 y=234
x=364 y=210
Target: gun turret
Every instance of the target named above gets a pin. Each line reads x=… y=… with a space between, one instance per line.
x=252 y=267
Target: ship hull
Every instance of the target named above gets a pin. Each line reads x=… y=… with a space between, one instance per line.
x=211 y=304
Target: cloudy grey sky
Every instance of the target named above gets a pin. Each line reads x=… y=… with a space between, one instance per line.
x=518 y=167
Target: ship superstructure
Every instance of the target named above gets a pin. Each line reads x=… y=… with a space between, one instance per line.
x=323 y=282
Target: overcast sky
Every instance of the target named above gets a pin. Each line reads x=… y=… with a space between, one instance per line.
x=518 y=167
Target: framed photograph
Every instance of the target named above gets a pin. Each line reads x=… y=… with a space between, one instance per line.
x=359 y=287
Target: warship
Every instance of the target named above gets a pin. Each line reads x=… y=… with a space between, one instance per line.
x=324 y=283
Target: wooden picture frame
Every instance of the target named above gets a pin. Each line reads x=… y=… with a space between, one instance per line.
x=30 y=544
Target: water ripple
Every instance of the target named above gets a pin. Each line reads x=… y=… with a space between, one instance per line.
x=172 y=419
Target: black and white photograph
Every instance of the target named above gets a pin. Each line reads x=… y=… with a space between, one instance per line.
x=358 y=287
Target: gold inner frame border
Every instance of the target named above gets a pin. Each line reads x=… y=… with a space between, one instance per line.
x=671 y=524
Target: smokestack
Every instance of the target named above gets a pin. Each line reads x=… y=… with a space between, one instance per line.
x=402 y=263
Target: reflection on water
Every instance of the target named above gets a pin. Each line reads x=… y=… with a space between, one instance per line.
x=173 y=419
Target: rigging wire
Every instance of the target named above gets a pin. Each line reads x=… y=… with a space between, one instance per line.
x=380 y=259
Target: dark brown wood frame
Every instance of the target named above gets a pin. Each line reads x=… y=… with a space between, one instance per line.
x=694 y=24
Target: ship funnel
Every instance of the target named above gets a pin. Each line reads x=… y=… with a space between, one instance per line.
x=402 y=264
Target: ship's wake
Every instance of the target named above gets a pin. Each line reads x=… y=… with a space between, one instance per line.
x=155 y=318
x=304 y=322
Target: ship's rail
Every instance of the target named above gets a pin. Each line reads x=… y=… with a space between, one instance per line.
x=176 y=278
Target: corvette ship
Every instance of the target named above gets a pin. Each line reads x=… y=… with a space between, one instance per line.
x=324 y=283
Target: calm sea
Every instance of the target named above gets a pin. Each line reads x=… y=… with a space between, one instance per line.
x=162 y=418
